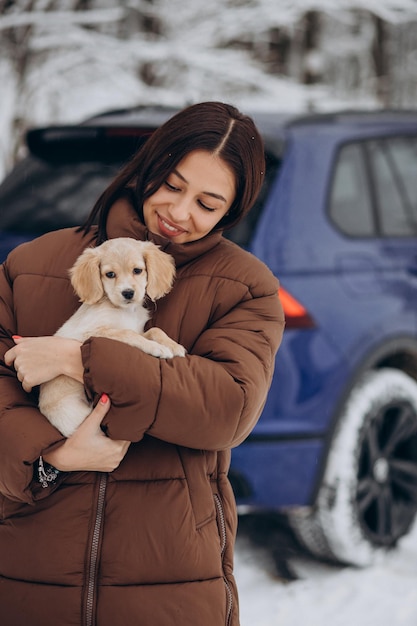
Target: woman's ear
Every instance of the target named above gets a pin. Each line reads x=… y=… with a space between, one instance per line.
x=85 y=276
x=160 y=269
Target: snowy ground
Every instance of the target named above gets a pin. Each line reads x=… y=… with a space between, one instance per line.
x=322 y=595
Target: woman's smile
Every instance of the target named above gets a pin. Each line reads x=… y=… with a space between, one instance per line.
x=167 y=228
x=195 y=197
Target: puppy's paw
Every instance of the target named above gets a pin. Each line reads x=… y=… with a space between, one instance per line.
x=160 y=351
x=178 y=349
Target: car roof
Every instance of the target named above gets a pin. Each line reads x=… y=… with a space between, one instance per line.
x=156 y=115
x=136 y=116
x=275 y=126
x=66 y=142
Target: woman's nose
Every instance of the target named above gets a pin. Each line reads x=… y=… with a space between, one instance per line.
x=181 y=209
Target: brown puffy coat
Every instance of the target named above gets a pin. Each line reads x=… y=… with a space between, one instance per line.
x=151 y=543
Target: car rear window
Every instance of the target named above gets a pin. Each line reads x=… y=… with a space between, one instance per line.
x=38 y=196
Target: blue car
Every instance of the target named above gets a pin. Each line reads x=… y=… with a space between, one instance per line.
x=335 y=449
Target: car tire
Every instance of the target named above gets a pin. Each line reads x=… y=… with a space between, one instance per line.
x=368 y=496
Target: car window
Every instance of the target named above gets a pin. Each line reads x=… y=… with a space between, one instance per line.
x=350 y=204
x=38 y=196
x=394 y=165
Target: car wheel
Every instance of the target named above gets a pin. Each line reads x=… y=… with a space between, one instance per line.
x=368 y=497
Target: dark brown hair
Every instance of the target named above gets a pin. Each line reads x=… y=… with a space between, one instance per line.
x=212 y=126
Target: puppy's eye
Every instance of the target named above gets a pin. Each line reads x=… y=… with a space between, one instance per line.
x=111 y=274
x=137 y=270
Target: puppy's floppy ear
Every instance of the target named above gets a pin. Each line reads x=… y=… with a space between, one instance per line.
x=85 y=276
x=160 y=268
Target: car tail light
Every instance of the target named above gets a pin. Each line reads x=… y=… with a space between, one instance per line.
x=296 y=315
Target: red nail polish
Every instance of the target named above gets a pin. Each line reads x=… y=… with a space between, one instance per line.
x=104 y=398
x=16 y=337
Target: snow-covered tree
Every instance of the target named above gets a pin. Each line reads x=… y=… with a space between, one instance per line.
x=65 y=59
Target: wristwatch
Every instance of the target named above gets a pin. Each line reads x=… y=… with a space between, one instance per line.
x=47 y=473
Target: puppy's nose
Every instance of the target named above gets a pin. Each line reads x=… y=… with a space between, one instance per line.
x=128 y=294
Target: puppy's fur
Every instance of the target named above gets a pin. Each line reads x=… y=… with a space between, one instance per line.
x=111 y=282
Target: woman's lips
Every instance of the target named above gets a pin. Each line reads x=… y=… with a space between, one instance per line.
x=168 y=229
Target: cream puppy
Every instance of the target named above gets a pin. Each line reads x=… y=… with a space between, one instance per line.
x=111 y=281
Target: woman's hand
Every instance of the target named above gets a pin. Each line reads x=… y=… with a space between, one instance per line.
x=88 y=449
x=39 y=359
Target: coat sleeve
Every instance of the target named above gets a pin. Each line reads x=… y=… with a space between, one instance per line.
x=24 y=433
x=210 y=399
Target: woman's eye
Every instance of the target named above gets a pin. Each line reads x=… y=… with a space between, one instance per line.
x=111 y=274
x=205 y=207
x=137 y=270
x=171 y=187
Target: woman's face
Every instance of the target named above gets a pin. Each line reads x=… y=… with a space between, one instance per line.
x=192 y=200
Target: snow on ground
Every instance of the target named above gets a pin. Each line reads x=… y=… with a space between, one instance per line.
x=326 y=595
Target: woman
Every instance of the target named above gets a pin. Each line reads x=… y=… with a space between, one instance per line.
x=132 y=519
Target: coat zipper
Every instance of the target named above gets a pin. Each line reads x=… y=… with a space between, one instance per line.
x=223 y=540
x=95 y=545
